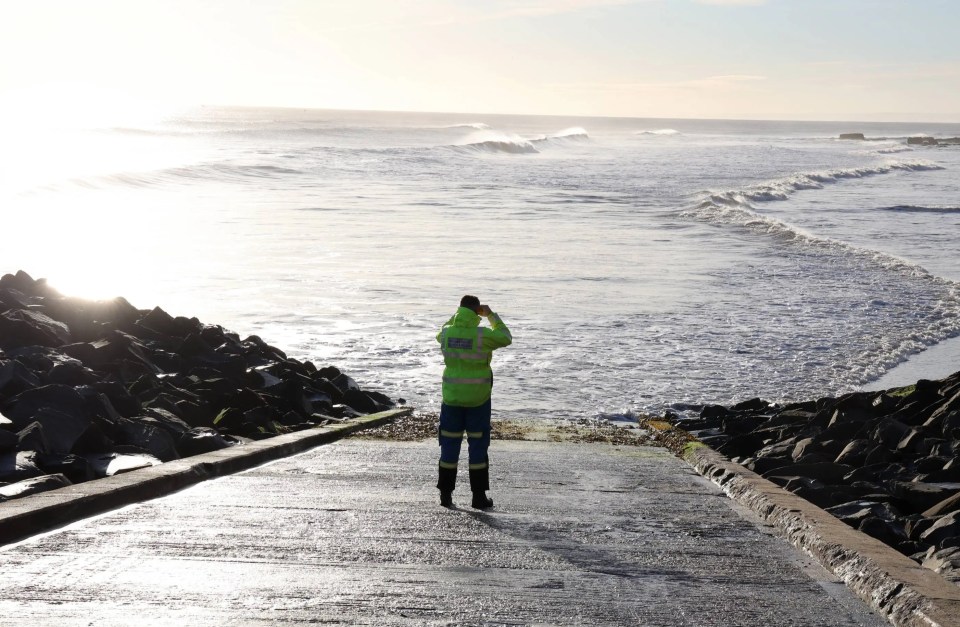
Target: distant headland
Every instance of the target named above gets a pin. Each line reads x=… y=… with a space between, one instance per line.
x=917 y=140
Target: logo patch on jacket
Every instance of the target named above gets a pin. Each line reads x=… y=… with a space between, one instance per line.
x=460 y=342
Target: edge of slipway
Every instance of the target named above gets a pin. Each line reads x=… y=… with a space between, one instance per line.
x=38 y=513
x=905 y=593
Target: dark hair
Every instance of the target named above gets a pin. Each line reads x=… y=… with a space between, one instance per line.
x=470 y=302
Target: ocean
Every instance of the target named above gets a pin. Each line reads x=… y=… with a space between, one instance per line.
x=641 y=264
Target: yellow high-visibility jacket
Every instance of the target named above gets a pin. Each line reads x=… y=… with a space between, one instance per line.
x=467 y=349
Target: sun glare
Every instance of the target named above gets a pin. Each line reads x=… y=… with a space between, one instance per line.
x=77 y=106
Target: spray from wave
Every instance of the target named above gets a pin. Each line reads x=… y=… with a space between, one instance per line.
x=511 y=143
x=734 y=208
x=479 y=126
x=781 y=189
x=663 y=132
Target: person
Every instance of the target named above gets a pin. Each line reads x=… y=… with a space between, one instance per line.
x=467 y=380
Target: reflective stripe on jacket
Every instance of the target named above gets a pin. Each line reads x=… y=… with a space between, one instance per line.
x=467 y=349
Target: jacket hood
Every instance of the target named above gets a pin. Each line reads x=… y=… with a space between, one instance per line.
x=465 y=317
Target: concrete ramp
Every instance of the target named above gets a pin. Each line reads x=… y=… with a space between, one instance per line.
x=351 y=534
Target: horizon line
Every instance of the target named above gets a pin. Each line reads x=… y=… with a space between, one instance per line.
x=955 y=117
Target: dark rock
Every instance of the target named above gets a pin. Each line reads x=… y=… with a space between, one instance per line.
x=292 y=419
x=946 y=506
x=25 y=327
x=90 y=383
x=945 y=528
x=931 y=464
x=72 y=374
x=359 y=401
x=13 y=299
x=35 y=485
x=884 y=404
x=21 y=281
x=31 y=438
x=342 y=411
x=918 y=412
x=910 y=442
x=16 y=378
x=828 y=473
x=854 y=453
x=919 y=497
x=763 y=465
x=261 y=418
x=789 y=418
x=738 y=424
x=151 y=438
x=887 y=531
x=8 y=441
x=889 y=432
x=878 y=455
x=877 y=473
x=741 y=445
x=93 y=441
x=89 y=319
x=922 y=140
x=915 y=526
x=110 y=464
x=854 y=136
x=61 y=430
x=159 y=321
x=944 y=561
x=344 y=383
x=781 y=449
x=823 y=450
x=18 y=466
x=842 y=434
x=924 y=393
x=813 y=491
x=76 y=468
x=855 y=512
x=62 y=398
x=842 y=493
x=200 y=440
x=752 y=405
x=125 y=403
x=166 y=421
x=384 y=401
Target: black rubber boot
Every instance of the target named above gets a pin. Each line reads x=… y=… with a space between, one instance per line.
x=481 y=501
x=446 y=482
x=479 y=484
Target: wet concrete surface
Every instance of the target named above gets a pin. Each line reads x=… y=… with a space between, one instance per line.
x=351 y=534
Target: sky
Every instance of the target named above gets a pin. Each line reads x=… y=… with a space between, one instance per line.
x=869 y=60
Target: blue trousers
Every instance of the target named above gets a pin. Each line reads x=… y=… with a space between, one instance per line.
x=455 y=422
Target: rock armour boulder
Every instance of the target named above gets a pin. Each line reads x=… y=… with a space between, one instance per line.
x=89 y=389
x=884 y=462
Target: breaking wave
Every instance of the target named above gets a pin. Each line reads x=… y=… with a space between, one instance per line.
x=509 y=143
x=941 y=319
x=919 y=209
x=893 y=150
x=574 y=132
x=660 y=132
x=479 y=126
x=735 y=208
x=781 y=189
x=497 y=143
